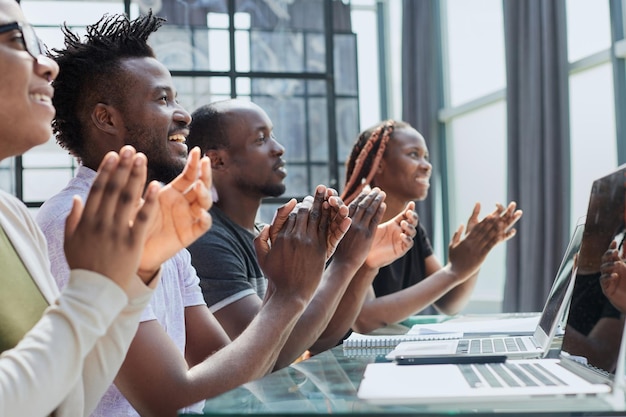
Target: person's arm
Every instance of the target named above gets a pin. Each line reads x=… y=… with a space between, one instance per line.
x=391 y=308
x=466 y=255
x=155 y=377
x=598 y=345
x=52 y=354
x=348 y=256
x=391 y=241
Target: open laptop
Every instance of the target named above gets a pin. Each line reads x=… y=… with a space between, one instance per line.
x=531 y=346
x=525 y=379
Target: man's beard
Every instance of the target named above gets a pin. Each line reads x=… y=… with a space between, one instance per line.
x=263 y=190
x=275 y=190
x=163 y=173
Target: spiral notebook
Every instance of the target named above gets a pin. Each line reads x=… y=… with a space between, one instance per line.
x=358 y=340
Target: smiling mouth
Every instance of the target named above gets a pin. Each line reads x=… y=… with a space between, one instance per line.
x=41 y=97
x=178 y=138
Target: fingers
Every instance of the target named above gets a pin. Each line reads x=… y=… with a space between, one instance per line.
x=456 y=237
x=148 y=211
x=315 y=223
x=473 y=219
x=367 y=210
x=261 y=243
x=280 y=218
x=190 y=174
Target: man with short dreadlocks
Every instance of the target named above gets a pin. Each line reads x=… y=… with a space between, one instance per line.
x=111 y=91
x=393 y=156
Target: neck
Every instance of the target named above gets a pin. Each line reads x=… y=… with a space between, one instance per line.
x=239 y=208
x=394 y=206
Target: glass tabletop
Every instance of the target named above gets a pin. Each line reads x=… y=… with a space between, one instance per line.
x=327 y=384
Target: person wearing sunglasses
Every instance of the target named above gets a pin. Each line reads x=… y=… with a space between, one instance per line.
x=59 y=351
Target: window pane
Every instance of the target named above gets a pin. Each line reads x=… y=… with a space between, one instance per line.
x=474 y=138
x=365 y=27
x=475 y=35
x=318 y=128
x=347 y=126
x=194 y=92
x=289 y=119
x=592 y=124
x=41 y=184
x=345 y=65
x=276 y=51
x=80 y=13
x=588 y=28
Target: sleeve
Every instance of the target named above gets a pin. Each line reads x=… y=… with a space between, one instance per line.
x=192 y=294
x=421 y=238
x=223 y=275
x=106 y=358
x=51 y=220
x=51 y=354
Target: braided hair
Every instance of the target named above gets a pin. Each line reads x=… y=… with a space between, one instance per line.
x=90 y=71
x=366 y=155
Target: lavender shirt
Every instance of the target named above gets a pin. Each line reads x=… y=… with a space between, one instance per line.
x=179 y=287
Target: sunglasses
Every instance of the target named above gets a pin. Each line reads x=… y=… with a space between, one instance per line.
x=33 y=45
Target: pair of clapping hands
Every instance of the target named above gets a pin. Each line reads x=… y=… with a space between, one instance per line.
x=119 y=234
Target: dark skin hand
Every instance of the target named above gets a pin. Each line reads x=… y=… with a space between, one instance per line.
x=467 y=254
x=393 y=238
x=102 y=229
x=613 y=277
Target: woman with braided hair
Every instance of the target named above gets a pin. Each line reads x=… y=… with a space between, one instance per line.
x=393 y=156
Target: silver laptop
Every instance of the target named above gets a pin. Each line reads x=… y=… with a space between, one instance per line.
x=530 y=346
x=573 y=375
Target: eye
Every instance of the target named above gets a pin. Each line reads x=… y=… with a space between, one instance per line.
x=262 y=138
x=18 y=39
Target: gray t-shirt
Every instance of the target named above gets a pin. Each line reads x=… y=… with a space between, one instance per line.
x=226 y=263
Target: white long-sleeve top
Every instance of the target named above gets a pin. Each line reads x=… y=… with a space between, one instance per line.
x=66 y=362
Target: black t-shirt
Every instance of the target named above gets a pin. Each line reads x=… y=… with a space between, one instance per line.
x=406 y=271
x=589 y=304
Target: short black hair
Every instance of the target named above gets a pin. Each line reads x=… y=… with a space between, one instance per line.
x=90 y=71
x=208 y=127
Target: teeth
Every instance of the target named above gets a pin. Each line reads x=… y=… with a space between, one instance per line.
x=178 y=138
x=41 y=97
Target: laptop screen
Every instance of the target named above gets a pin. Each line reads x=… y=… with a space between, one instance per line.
x=594 y=327
x=554 y=307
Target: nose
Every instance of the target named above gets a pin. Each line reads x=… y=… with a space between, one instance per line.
x=277 y=148
x=182 y=115
x=46 y=67
x=426 y=166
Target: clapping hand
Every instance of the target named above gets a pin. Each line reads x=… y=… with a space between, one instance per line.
x=393 y=238
x=468 y=251
x=292 y=251
x=183 y=216
x=99 y=235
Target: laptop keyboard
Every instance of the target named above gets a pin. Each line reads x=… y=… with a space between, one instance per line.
x=499 y=375
x=491 y=345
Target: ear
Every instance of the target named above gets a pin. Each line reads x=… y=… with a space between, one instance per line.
x=106 y=118
x=219 y=158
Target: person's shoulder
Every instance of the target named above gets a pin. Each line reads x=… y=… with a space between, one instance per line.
x=13 y=207
x=56 y=208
